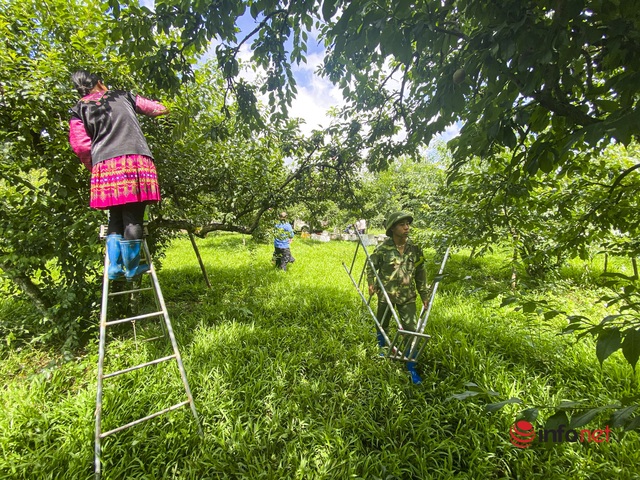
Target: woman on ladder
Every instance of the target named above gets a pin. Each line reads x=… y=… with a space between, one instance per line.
x=105 y=134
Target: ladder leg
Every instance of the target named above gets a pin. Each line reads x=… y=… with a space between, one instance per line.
x=174 y=344
x=101 y=352
x=159 y=306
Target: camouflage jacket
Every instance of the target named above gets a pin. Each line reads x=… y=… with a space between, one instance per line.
x=400 y=273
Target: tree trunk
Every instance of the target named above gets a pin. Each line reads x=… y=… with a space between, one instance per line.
x=634 y=262
x=606 y=262
x=514 y=259
x=195 y=249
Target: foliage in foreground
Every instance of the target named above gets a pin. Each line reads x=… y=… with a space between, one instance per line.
x=288 y=384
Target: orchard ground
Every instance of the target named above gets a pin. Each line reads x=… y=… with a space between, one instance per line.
x=288 y=384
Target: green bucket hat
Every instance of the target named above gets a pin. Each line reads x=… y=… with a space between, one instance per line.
x=396 y=217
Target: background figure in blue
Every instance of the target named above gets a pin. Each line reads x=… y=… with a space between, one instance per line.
x=282 y=238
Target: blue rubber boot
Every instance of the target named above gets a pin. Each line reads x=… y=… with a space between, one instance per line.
x=381 y=344
x=415 y=378
x=114 y=253
x=131 y=258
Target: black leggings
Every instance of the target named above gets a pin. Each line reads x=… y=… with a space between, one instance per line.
x=127 y=220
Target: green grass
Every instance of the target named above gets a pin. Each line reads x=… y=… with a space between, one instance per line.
x=288 y=384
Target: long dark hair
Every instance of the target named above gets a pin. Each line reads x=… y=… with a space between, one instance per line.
x=84 y=81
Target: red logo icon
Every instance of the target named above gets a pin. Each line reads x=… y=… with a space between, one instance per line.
x=522 y=434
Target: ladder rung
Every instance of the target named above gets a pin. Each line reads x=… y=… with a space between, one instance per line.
x=398 y=356
x=152 y=338
x=139 y=317
x=113 y=294
x=148 y=417
x=131 y=369
x=416 y=334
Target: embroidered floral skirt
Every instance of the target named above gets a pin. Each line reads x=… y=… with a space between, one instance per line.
x=125 y=179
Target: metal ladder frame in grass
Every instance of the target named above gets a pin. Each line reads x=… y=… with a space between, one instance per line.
x=406 y=345
x=135 y=288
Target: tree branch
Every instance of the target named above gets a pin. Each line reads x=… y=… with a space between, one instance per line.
x=621 y=177
x=564 y=109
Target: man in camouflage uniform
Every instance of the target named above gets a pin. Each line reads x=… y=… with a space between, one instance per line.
x=400 y=265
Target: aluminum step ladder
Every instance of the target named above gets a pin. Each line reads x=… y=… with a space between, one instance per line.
x=406 y=345
x=134 y=288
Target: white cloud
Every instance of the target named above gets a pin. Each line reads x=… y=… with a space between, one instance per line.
x=315 y=97
x=451 y=131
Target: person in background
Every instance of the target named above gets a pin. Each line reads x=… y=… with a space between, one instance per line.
x=105 y=134
x=282 y=239
x=361 y=226
x=400 y=265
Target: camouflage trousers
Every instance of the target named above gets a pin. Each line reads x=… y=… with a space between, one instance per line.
x=406 y=313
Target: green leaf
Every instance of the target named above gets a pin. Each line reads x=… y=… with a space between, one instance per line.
x=566 y=404
x=530 y=414
x=115 y=6
x=254 y=10
x=464 y=395
x=619 y=417
x=545 y=161
x=508 y=301
x=474 y=387
x=609 y=318
x=551 y=314
x=557 y=419
x=529 y=307
x=630 y=400
x=493 y=407
x=328 y=9
x=633 y=424
x=539 y=119
x=608 y=342
x=617 y=275
x=532 y=165
x=585 y=418
x=509 y=138
x=631 y=346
